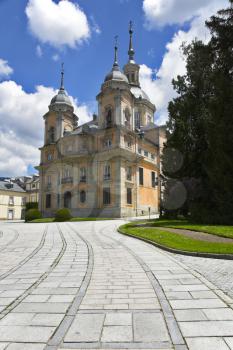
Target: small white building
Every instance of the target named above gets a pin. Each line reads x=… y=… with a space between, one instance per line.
x=12 y=201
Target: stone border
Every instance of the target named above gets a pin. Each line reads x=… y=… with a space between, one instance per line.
x=181 y=252
x=57 y=338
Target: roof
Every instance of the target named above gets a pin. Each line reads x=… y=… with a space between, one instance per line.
x=5 y=186
x=138 y=92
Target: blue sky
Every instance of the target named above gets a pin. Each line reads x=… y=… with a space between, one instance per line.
x=37 y=35
x=86 y=66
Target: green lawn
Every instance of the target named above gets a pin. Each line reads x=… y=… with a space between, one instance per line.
x=176 y=241
x=71 y=220
x=219 y=230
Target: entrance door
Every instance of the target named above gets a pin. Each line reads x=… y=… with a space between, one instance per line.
x=10 y=214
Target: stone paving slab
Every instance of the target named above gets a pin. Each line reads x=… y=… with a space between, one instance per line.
x=84 y=286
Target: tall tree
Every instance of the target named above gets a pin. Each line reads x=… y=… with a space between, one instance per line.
x=200 y=125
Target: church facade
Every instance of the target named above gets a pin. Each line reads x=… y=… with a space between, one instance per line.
x=110 y=166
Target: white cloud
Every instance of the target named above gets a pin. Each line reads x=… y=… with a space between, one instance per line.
x=55 y=57
x=61 y=24
x=160 y=90
x=22 y=125
x=5 y=69
x=39 y=51
x=163 y=12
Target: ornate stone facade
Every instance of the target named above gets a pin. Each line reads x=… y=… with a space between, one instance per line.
x=110 y=166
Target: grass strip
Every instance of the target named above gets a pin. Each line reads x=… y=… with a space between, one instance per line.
x=176 y=241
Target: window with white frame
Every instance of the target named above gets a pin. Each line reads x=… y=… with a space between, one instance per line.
x=11 y=200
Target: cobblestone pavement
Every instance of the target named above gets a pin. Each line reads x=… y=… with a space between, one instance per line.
x=85 y=286
x=219 y=272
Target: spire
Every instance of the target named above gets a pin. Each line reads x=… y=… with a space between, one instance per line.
x=62 y=77
x=115 y=65
x=131 y=51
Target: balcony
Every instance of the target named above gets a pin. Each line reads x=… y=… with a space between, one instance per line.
x=107 y=177
x=67 y=180
x=83 y=179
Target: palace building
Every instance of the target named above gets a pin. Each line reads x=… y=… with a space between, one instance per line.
x=110 y=166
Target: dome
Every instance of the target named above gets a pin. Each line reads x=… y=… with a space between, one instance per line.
x=116 y=74
x=138 y=92
x=62 y=98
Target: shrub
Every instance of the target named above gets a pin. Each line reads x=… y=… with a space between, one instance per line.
x=31 y=205
x=63 y=215
x=32 y=214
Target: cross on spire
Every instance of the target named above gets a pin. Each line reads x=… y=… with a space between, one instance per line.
x=116 y=52
x=62 y=77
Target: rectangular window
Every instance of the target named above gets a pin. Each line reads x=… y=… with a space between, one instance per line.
x=154 y=181
x=83 y=175
x=48 y=201
x=107 y=172
x=106 y=195
x=128 y=142
x=149 y=119
x=140 y=151
x=141 y=179
x=66 y=173
x=129 y=195
x=137 y=120
x=107 y=143
x=11 y=200
x=152 y=156
x=49 y=180
x=146 y=153
x=23 y=201
x=129 y=173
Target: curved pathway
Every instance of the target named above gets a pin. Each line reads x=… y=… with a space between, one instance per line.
x=84 y=286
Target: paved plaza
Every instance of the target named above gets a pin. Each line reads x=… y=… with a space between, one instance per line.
x=84 y=286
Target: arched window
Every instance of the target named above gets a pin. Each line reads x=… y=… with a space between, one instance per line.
x=51 y=134
x=109 y=117
x=127 y=117
x=83 y=196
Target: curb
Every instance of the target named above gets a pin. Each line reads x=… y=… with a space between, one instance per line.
x=180 y=252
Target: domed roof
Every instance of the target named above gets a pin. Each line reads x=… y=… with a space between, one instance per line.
x=116 y=74
x=61 y=98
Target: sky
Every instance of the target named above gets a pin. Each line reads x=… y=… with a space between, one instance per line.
x=38 y=35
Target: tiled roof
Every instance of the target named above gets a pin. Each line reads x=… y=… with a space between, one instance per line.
x=4 y=185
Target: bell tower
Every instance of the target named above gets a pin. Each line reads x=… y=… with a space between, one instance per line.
x=61 y=118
